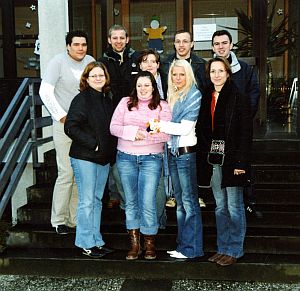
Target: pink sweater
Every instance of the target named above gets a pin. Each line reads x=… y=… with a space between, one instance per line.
x=125 y=124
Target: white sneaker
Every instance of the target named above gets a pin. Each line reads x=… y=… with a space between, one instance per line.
x=178 y=255
x=171 y=252
x=171 y=202
x=202 y=203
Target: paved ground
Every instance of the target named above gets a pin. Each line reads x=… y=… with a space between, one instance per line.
x=27 y=283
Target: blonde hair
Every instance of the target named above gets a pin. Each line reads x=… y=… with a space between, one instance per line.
x=173 y=93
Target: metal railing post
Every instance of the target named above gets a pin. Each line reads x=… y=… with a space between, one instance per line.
x=35 y=160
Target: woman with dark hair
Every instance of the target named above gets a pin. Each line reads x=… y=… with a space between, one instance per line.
x=149 y=60
x=93 y=149
x=139 y=159
x=224 y=131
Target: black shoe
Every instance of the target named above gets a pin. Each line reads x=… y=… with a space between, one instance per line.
x=105 y=250
x=62 y=229
x=251 y=209
x=93 y=252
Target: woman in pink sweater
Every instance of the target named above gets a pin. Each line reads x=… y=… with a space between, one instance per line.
x=139 y=159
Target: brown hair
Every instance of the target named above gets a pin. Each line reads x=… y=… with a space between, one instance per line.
x=83 y=80
x=155 y=101
x=218 y=59
x=145 y=53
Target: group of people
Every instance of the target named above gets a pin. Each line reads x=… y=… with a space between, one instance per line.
x=138 y=120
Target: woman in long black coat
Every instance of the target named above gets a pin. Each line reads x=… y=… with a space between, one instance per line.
x=224 y=132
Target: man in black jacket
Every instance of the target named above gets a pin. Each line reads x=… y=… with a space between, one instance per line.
x=183 y=44
x=121 y=62
x=245 y=78
x=122 y=65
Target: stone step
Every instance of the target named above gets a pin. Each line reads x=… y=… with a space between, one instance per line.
x=283 y=196
x=278 y=146
x=46 y=173
x=277 y=174
x=41 y=193
x=40 y=214
x=274 y=185
x=278 y=152
x=266 y=193
x=275 y=157
x=71 y=263
x=267 y=241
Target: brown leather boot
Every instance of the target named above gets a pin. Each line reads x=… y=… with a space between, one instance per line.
x=149 y=244
x=134 y=235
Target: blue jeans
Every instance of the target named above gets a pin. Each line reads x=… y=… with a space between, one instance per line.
x=90 y=179
x=116 y=191
x=161 y=204
x=140 y=176
x=230 y=216
x=189 y=220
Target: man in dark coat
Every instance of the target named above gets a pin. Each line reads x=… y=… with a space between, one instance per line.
x=121 y=62
x=183 y=44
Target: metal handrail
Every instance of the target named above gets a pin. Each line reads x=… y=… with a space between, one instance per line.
x=294 y=93
x=20 y=138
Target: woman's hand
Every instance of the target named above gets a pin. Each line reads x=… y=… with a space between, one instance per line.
x=238 y=172
x=153 y=126
x=140 y=135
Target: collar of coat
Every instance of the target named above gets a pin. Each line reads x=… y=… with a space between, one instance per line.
x=127 y=53
x=235 y=65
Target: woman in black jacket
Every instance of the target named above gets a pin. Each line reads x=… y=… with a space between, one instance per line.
x=93 y=149
x=224 y=132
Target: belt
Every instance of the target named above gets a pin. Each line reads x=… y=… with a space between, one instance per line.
x=185 y=150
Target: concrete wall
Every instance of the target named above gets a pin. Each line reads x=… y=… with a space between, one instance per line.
x=53 y=26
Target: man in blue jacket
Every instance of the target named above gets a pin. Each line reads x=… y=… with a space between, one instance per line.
x=245 y=78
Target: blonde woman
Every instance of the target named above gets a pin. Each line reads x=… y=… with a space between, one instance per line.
x=184 y=99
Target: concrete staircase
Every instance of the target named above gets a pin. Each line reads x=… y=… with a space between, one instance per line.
x=272 y=244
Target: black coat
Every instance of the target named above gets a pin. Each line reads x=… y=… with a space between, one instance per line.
x=232 y=123
x=122 y=73
x=87 y=124
x=198 y=66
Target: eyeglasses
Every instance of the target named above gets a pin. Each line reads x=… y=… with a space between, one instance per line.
x=97 y=76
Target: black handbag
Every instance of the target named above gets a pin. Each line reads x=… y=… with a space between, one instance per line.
x=216 y=154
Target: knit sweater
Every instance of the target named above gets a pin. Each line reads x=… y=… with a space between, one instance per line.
x=125 y=124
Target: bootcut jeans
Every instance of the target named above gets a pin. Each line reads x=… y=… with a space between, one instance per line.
x=140 y=175
x=230 y=216
x=90 y=179
x=189 y=220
